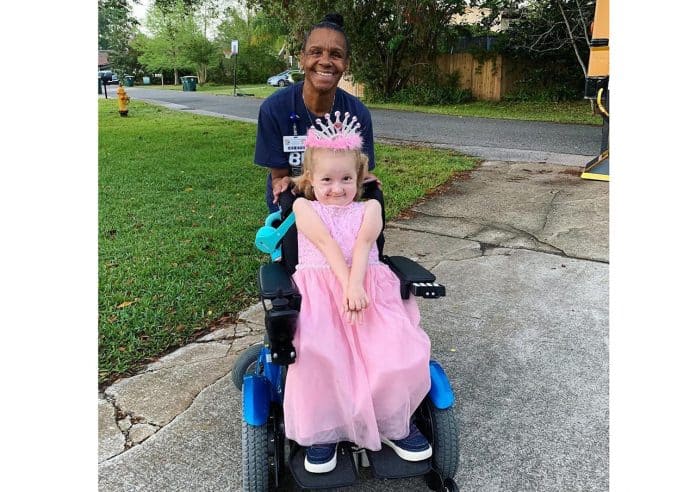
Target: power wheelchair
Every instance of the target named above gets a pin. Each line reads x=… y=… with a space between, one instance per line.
x=260 y=371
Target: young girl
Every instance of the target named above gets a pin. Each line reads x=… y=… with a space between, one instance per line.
x=362 y=358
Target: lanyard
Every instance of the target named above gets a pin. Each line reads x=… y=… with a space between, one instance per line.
x=294 y=117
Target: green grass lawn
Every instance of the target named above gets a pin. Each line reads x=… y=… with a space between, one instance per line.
x=180 y=201
x=560 y=112
x=261 y=91
x=578 y=112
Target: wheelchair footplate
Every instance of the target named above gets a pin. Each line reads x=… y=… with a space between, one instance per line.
x=344 y=475
x=386 y=464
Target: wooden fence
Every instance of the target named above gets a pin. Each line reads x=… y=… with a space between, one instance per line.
x=489 y=80
x=346 y=83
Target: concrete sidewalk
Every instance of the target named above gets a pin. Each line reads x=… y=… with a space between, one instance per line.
x=523 y=335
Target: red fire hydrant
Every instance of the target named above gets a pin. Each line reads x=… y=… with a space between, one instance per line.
x=123 y=100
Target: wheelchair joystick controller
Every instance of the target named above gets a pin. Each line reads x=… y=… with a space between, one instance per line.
x=281 y=323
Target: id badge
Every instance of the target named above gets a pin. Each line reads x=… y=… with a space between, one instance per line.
x=294 y=143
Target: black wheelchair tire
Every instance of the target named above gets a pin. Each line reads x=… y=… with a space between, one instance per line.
x=255 y=457
x=245 y=364
x=440 y=427
x=450 y=486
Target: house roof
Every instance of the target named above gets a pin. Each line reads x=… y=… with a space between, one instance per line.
x=103 y=58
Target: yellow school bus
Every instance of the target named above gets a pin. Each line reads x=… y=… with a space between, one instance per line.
x=597 y=87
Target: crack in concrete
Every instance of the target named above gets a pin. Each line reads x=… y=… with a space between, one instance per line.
x=188 y=363
x=118 y=412
x=549 y=207
x=159 y=428
x=121 y=414
x=414 y=229
x=486 y=246
x=496 y=226
x=230 y=338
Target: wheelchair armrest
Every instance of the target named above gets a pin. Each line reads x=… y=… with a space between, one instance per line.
x=275 y=281
x=276 y=285
x=414 y=278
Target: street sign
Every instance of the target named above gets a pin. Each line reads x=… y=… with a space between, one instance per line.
x=235 y=46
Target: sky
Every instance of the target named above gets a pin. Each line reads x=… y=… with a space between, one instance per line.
x=140 y=10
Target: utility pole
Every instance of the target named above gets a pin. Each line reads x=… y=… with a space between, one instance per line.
x=235 y=50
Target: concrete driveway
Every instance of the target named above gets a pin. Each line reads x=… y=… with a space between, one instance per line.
x=523 y=334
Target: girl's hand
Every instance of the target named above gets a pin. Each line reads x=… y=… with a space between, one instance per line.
x=355 y=301
x=355 y=317
x=356 y=298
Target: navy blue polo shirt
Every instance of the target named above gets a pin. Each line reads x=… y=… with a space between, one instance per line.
x=275 y=121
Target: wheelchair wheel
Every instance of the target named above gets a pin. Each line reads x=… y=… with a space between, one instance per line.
x=263 y=453
x=255 y=458
x=245 y=364
x=450 y=486
x=440 y=428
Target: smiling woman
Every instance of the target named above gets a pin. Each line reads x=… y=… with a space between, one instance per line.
x=285 y=117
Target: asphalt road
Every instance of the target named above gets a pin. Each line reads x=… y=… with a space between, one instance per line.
x=488 y=138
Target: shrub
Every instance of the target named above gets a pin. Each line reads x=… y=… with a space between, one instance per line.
x=430 y=95
x=429 y=88
x=254 y=66
x=544 y=84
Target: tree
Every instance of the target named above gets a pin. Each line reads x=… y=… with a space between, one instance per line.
x=393 y=42
x=172 y=5
x=552 y=38
x=260 y=39
x=206 y=12
x=556 y=27
x=201 y=52
x=116 y=28
x=173 y=29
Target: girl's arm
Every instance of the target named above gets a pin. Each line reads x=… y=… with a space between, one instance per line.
x=311 y=225
x=356 y=297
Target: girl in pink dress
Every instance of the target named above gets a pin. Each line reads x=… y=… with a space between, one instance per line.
x=362 y=363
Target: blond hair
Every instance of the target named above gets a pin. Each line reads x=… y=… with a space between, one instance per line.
x=303 y=183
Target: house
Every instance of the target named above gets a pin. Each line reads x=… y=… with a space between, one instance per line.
x=103 y=60
x=474 y=15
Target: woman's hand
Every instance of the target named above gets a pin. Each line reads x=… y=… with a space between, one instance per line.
x=369 y=177
x=280 y=185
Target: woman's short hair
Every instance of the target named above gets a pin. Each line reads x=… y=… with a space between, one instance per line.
x=331 y=21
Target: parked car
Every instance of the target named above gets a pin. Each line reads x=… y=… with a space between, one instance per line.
x=286 y=78
x=108 y=76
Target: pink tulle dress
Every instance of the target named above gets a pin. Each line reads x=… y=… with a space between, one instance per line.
x=353 y=382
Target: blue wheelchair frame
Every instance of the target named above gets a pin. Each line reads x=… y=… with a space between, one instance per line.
x=262 y=390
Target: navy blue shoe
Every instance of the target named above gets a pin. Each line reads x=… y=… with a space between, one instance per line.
x=414 y=447
x=320 y=458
